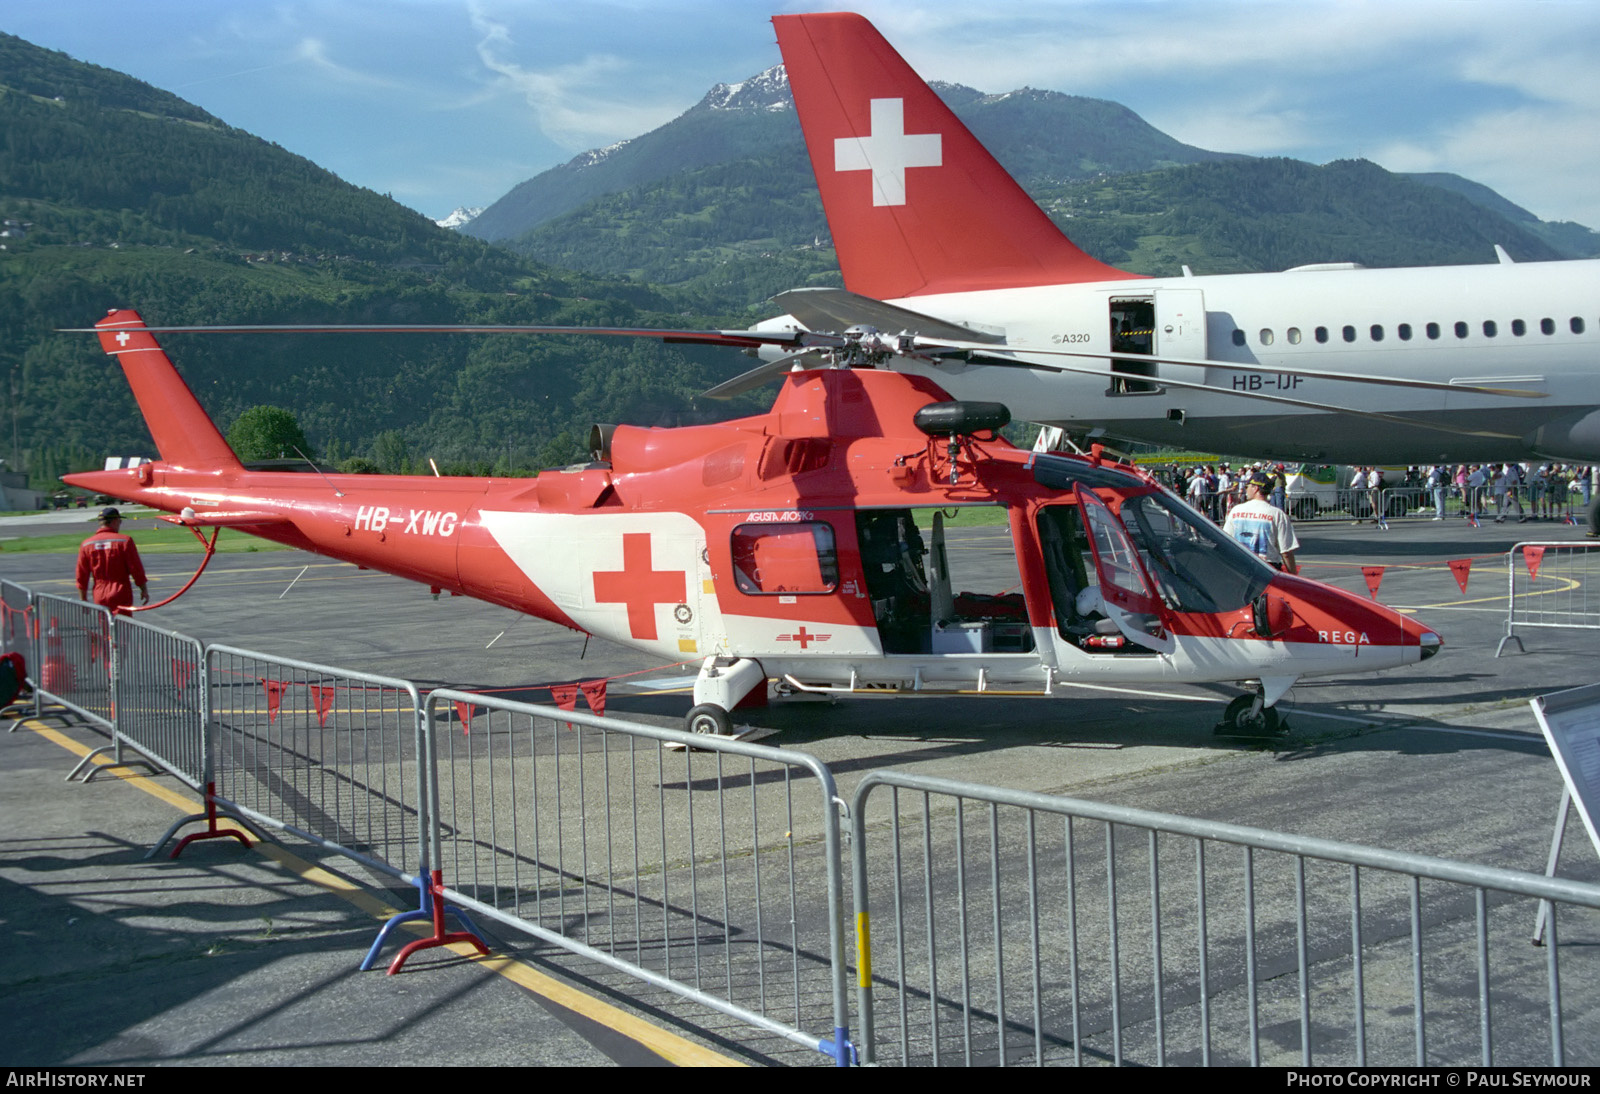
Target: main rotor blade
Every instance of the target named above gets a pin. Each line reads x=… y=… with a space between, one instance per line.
x=741 y=338
x=1262 y=396
x=1234 y=366
x=749 y=381
x=826 y=308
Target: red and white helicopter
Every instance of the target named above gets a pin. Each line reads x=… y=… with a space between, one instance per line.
x=786 y=546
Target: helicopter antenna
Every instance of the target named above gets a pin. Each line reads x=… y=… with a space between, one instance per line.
x=336 y=491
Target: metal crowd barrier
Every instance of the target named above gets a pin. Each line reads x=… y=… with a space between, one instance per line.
x=160 y=698
x=325 y=753
x=1551 y=585
x=16 y=635
x=709 y=868
x=999 y=935
x=16 y=620
x=74 y=658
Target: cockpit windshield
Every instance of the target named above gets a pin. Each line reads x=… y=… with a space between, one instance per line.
x=1196 y=566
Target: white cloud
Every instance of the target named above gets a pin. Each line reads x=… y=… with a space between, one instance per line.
x=574 y=104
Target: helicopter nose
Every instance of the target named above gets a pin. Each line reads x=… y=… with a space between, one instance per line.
x=1430 y=642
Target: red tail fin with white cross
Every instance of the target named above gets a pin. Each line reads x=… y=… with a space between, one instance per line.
x=184 y=434
x=916 y=205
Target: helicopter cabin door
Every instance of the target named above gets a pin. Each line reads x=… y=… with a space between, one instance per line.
x=1129 y=599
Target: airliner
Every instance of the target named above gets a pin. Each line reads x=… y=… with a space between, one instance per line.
x=1333 y=363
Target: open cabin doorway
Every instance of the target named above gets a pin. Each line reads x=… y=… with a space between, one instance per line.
x=944 y=580
x=1133 y=331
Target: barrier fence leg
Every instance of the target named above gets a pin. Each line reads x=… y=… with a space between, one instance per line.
x=434 y=894
x=424 y=910
x=1550 y=864
x=211 y=831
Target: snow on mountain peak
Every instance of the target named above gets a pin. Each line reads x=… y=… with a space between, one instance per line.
x=768 y=91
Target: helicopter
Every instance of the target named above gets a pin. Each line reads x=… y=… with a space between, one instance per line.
x=806 y=545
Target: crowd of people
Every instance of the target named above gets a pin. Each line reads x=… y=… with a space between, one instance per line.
x=1550 y=489
x=1253 y=504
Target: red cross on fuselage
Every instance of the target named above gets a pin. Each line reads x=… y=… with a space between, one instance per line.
x=803 y=638
x=640 y=587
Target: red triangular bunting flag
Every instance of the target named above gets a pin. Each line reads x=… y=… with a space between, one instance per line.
x=1533 y=556
x=1461 y=567
x=565 y=695
x=1374 y=576
x=594 y=693
x=464 y=712
x=322 y=699
x=181 y=671
x=275 y=690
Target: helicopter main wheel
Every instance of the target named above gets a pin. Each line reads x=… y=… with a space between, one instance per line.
x=708 y=718
x=1245 y=718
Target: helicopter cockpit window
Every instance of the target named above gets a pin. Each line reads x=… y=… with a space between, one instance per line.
x=1195 y=565
x=799 y=558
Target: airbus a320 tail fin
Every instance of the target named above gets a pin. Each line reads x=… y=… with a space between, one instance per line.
x=916 y=205
x=183 y=433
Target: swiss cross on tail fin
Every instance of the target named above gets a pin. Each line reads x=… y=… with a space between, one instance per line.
x=915 y=204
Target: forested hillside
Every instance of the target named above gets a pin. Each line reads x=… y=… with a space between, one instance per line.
x=116 y=194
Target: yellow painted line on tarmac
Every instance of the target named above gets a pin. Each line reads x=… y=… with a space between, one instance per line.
x=1571 y=584
x=669 y=1046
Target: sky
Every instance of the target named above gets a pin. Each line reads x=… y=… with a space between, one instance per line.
x=446 y=103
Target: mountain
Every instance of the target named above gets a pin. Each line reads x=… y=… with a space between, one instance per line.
x=721 y=202
x=1570 y=239
x=460 y=216
x=114 y=193
x=755 y=119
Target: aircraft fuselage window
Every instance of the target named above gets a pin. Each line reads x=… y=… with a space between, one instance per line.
x=1433 y=331
x=1577 y=325
x=1293 y=334
x=774 y=559
x=1518 y=327
x=1322 y=334
x=1266 y=336
x=1490 y=329
x=1404 y=331
x=1238 y=337
x=1547 y=326
x=1377 y=332
x=1349 y=333
x=1461 y=330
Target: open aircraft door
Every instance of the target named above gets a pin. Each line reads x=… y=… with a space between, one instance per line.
x=1129 y=596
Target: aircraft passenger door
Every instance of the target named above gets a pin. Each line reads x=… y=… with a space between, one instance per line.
x=1129 y=598
x=1180 y=323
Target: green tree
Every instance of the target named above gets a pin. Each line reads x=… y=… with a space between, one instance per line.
x=389 y=452
x=267 y=433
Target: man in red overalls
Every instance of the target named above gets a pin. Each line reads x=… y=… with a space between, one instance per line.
x=112 y=561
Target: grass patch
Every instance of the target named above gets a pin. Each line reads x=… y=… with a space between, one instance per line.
x=972 y=516
x=162 y=540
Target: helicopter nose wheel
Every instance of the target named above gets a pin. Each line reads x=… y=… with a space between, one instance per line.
x=1248 y=716
x=708 y=718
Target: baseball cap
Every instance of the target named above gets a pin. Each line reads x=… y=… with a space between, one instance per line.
x=109 y=513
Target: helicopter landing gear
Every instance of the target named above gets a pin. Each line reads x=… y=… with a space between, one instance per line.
x=719 y=687
x=708 y=718
x=1248 y=716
